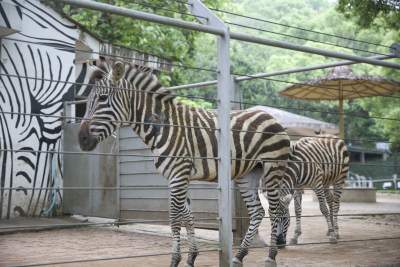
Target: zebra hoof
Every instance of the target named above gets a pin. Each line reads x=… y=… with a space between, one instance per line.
x=270 y=263
x=237 y=262
x=333 y=240
x=293 y=241
x=187 y=265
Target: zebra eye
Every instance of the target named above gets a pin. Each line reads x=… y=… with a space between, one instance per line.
x=102 y=97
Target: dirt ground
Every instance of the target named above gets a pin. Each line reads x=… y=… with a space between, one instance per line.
x=74 y=246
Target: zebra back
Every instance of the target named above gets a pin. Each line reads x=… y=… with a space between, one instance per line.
x=321 y=160
x=172 y=129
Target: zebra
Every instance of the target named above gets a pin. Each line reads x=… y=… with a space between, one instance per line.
x=315 y=162
x=153 y=114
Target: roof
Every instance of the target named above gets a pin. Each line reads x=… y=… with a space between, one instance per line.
x=298 y=125
x=288 y=119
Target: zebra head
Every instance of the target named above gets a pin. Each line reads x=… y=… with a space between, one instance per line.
x=107 y=105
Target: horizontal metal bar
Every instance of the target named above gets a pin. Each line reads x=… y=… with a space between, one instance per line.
x=76 y=102
x=280 y=72
x=301 y=69
x=192 y=85
x=191 y=157
x=111 y=9
x=126 y=222
x=133 y=188
x=311 y=50
x=321 y=215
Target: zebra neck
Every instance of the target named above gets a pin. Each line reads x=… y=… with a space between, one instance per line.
x=150 y=116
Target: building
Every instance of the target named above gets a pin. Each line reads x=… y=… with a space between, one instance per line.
x=43 y=64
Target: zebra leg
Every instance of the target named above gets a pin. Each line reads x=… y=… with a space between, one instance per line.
x=272 y=177
x=189 y=223
x=297 y=209
x=329 y=200
x=248 y=190
x=336 y=205
x=324 y=209
x=273 y=195
x=177 y=206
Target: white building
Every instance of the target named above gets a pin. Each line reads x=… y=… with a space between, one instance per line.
x=43 y=55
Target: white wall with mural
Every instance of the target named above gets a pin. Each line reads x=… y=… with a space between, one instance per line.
x=43 y=63
x=37 y=74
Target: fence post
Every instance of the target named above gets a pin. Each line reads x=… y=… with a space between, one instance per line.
x=395 y=181
x=225 y=87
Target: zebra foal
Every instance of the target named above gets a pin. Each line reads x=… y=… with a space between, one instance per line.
x=255 y=137
x=315 y=162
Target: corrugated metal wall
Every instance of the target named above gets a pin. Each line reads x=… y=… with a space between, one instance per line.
x=144 y=193
x=147 y=201
x=89 y=171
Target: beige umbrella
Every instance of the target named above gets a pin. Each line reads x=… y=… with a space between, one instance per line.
x=342 y=83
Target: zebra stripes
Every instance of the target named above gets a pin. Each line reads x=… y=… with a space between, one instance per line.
x=256 y=138
x=37 y=67
x=315 y=162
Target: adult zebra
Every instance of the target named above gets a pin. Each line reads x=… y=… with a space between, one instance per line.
x=315 y=162
x=152 y=112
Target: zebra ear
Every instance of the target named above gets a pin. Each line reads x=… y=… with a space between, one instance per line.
x=118 y=71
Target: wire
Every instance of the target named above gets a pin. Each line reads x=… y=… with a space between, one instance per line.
x=67 y=118
x=211 y=99
x=113 y=55
x=299 y=28
x=300 y=38
x=115 y=258
x=320 y=86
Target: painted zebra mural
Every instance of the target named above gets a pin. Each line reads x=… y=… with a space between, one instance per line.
x=151 y=110
x=37 y=74
x=315 y=162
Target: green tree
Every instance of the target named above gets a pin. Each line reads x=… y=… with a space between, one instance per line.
x=169 y=42
x=376 y=14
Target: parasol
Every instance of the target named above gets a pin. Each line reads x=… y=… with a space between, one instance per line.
x=339 y=84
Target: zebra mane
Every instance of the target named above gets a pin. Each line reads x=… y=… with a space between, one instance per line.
x=103 y=68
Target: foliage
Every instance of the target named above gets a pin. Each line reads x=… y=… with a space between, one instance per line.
x=168 y=42
x=306 y=19
x=376 y=14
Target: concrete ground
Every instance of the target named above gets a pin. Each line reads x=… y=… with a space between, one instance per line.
x=67 y=245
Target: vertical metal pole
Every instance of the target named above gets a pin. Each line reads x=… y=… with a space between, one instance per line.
x=225 y=89
x=224 y=164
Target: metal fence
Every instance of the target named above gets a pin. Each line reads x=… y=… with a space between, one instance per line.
x=227 y=98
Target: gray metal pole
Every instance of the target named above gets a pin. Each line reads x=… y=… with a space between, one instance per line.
x=312 y=50
x=218 y=31
x=224 y=149
x=225 y=87
x=279 y=72
x=301 y=69
x=111 y=9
